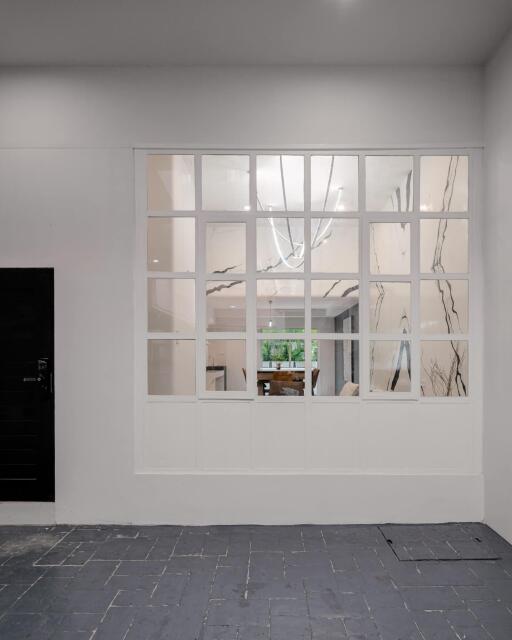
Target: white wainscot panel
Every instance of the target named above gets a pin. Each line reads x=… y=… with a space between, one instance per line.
x=170 y=436
x=417 y=437
x=331 y=436
x=225 y=435
x=278 y=435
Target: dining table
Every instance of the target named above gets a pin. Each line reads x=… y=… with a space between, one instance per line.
x=264 y=376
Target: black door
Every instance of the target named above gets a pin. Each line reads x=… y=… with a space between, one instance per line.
x=26 y=385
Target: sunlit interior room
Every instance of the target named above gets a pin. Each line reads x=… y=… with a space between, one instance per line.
x=255 y=299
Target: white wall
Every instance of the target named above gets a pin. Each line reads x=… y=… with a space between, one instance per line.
x=358 y=106
x=66 y=200
x=498 y=291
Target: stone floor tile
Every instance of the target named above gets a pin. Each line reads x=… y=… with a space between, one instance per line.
x=82 y=601
x=439 y=574
x=361 y=629
x=396 y=623
x=220 y=633
x=80 y=621
x=279 y=588
x=496 y=618
x=502 y=589
x=330 y=604
x=115 y=623
x=384 y=599
x=229 y=582
x=25 y=626
x=434 y=626
x=190 y=544
x=253 y=632
x=95 y=575
x=288 y=607
x=329 y=582
x=476 y=594
x=489 y=569
x=328 y=629
x=132 y=598
x=350 y=581
x=342 y=560
x=154 y=623
x=38 y=597
x=236 y=612
x=308 y=559
x=170 y=589
x=140 y=568
x=286 y=627
x=431 y=598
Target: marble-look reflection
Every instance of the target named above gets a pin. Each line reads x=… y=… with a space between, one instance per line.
x=390 y=307
x=444 y=306
x=390 y=366
x=444 y=368
x=449 y=185
x=390 y=248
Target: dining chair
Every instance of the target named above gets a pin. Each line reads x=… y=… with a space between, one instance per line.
x=314 y=378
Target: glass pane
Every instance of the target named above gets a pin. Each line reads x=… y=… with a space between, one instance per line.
x=280 y=305
x=171 y=184
x=280 y=244
x=281 y=367
x=390 y=366
x=335 y=245
x=444 y=246
x=171 y=244
x=226 y=365
x=390 y=248
x=444 y=306
x=335 y=367
x=171 y=305
x=225 y=305
x=334 y=183
x=389 y=183
x=280 y=183
x=390 y=307
x=335 y=306
x=444 y=368
x=225 y=183
x=225 y=247
x=171 y=367
x=444 y=183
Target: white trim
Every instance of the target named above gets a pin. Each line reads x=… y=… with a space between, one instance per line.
x=27 y=513
x=313 y=149
x=301 y=471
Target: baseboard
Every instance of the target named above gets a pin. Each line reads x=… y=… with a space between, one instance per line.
x=19 y=513
x=285 y=499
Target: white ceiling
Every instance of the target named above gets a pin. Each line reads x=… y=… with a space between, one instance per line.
x=149 y=32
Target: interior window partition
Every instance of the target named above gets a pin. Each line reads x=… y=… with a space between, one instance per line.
x=278 y=276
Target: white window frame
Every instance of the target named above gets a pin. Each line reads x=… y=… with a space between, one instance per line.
x=251 y=275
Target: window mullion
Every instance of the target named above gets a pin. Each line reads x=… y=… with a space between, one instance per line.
x=200 y=285
x=364 y=301
x=307 y=277
x=251 y=299
x=415 y=283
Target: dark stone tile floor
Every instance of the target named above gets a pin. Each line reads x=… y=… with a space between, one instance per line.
x=255 y=583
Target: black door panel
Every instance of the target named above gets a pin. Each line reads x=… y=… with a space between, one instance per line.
x=26 y=385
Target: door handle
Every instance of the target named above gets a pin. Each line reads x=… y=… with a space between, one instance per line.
x=31 y=379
